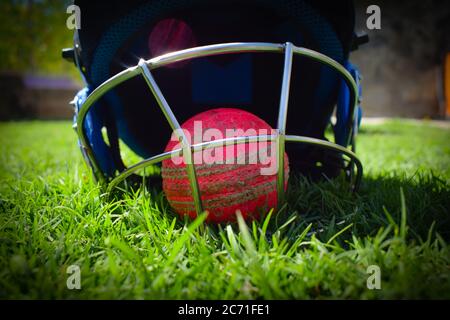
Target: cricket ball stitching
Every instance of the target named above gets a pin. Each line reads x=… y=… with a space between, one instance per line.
x=224 y=188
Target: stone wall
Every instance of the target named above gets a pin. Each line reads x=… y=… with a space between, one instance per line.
x=402 y=63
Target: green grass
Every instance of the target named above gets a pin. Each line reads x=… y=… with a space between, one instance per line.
x=319 y=246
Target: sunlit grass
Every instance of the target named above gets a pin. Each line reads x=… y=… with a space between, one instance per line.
x=319 y=246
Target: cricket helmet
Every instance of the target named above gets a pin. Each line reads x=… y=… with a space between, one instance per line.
x=150 y=65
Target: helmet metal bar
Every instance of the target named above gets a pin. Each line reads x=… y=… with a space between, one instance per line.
x=144 y=67
x=333 y=147
x=238 y=140
x=282 y=118
x=175 y=125
x=154 y=63
x=195 y=148
x=82 y=112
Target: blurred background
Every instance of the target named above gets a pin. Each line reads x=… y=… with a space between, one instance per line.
x=405 y=66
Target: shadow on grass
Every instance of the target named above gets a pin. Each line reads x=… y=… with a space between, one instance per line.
x=328 y=205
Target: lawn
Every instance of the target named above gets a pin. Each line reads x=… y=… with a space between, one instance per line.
x=319 y=246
